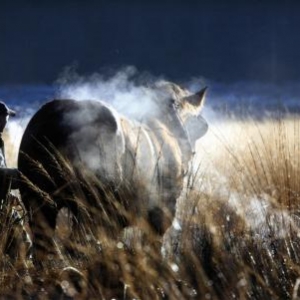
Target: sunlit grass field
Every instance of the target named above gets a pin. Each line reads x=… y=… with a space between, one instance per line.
x=235 y=236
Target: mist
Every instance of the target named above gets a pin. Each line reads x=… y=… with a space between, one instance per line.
x=128 y=92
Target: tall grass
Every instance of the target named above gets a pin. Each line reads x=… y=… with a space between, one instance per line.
x=236 y=233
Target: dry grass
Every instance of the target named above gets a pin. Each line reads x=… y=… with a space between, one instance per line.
x=236 y=235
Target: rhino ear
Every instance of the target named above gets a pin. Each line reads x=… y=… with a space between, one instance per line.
x=197 y=99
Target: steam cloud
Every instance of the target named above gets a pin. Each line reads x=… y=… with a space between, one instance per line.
x=130 y=96
x=129 y=92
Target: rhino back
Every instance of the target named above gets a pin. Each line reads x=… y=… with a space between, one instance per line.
x=61 y=132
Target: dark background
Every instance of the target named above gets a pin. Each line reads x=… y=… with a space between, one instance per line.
x=224 y=41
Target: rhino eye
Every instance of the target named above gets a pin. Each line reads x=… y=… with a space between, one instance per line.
x=175 y=104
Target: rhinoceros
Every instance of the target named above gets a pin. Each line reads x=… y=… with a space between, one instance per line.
x=83 y=154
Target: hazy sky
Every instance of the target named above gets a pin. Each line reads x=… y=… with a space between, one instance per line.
x=225 y=41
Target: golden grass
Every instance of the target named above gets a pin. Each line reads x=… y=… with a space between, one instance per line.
x=236 y=235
